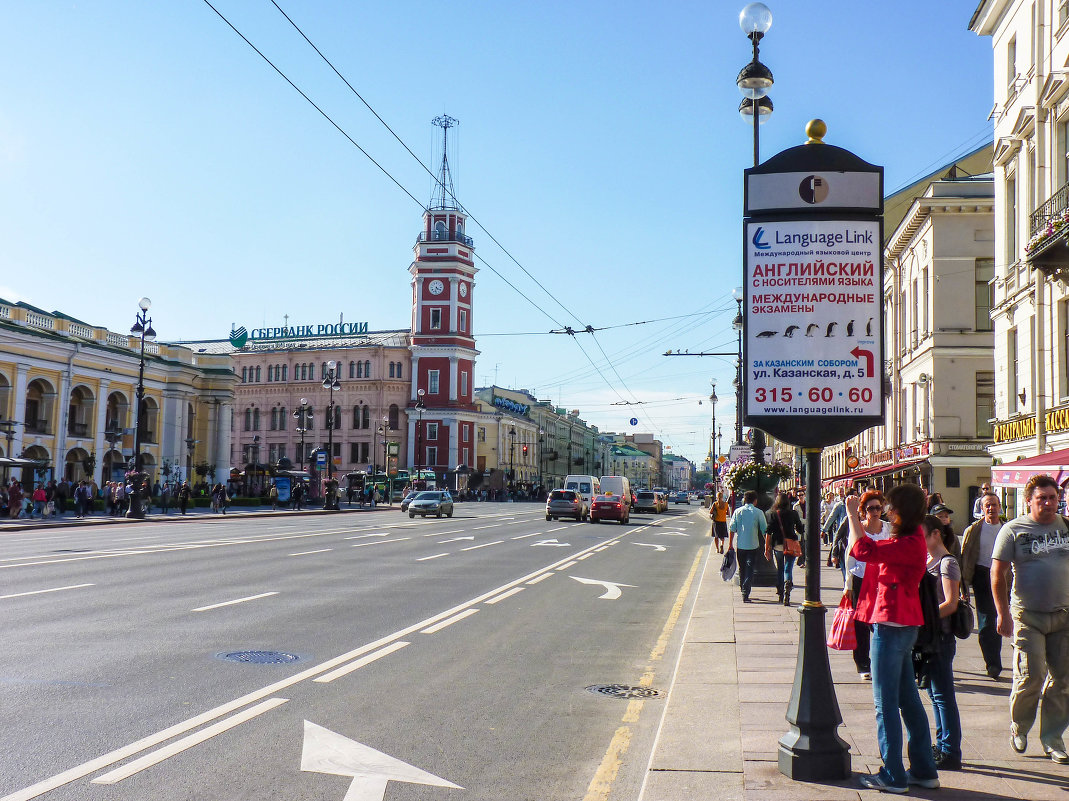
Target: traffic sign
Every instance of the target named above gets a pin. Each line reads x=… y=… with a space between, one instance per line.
x=321 y=458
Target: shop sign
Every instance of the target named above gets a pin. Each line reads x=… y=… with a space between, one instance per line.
x=1021 y=428
x=913 y=451
x=512 y=406
x=240 y=336
x=879 y=458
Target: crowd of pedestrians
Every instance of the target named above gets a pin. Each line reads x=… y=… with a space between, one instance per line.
x=912 y=583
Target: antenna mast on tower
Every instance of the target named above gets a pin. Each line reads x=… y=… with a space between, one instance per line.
x=443 y=196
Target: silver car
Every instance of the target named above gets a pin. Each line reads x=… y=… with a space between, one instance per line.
x=435 y=503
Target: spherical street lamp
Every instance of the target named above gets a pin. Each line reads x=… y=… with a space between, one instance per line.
x=331 y=383
x=143 y=327
x=755 y=79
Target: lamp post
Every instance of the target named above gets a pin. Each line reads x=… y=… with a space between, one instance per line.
x=419 y=436
x=738 y=324
x=712 y=431
x=303 y=414
x=191 y=445
x=512 y=448
x=8 y=429
x=541 y=442
x=387 y=483
x=143 y=326
x=331 y=383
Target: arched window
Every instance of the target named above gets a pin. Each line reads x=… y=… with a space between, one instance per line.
x=282 y=419
x=365 y=415
x=270 y=373
x=359 y=369
x=274 y=419
x=356 y=417
x=304 y=372
x=255 y=419
x=324 y=373
x=248 y=419
x=399 y=366
x=311 y=371
x=367 y=369
x=244 y=375
x=258 y=375
x=285 y=369
x=352 y=369
x=391 y=369
x=395 y=416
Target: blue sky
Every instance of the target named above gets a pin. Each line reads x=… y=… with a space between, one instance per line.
x=145 y=149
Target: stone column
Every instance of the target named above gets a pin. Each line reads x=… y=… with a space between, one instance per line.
x=98 y=429
x=454 y=436
x=219 y=424
x=20 y=409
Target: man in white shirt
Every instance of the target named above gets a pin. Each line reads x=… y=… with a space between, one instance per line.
x=977 y=542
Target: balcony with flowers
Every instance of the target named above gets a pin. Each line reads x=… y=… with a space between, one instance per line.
x=1048 y=244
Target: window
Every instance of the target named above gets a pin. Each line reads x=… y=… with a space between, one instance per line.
x=367 y=369
x=1011 y=220
x=337 y=417
x=304 y=372
x=366 y=417
x=465 y=432
x=462 y=323
x=285 y=369
x=985 y=293
x=274 y=419
x=352 y=369
x=436 y=319
x=432 y=456
x=464 y=456
x=482 y=434
x=272 y=453
x=248 y=419
x=463 y=385
x=399 y=370
x=432 y=431
x=324 y=373
x=255 y=419
x=356 y=417
x=244 y=375
x=1011 y=63
x=282 y=451
x=270 y=373
x=985 y=403
x=391 y=369
x=1063 y=12
x=1011 y=377
x=924 y=300
x=337 y=450
x=282 y=419
x=258 y=375
x=354 y=450
x=364 y=446
x=432 y=382
x=395 y=416
x=311 y=372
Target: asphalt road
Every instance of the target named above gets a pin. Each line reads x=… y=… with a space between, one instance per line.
x=422 y=654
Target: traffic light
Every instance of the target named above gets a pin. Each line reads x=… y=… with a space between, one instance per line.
x=524 y=450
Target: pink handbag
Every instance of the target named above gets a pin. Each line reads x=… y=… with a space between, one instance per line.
x=843 y=637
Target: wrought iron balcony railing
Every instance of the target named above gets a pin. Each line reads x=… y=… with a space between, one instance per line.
x=1051 y=210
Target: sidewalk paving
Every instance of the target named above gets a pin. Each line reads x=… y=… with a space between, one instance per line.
x=726 y=709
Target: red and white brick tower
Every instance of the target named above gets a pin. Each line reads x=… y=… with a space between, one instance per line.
x=443 y=347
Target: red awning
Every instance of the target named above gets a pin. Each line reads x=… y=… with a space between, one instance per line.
x=1016 y=474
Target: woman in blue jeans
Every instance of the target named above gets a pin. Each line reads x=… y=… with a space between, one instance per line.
x=947 y=572
x=889 y=600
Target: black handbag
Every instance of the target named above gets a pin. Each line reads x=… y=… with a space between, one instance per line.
x=963 y=621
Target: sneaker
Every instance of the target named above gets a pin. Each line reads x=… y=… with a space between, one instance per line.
x=1019 y=742
x=944 y=761
x=1057 y=755
x=876 y=782
x=927 y=784
x=864 y=675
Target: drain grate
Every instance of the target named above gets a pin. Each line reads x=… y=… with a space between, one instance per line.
x=261 y=657
x=623 y=691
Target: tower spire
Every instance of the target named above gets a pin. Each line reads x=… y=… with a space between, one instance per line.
x=442 y=195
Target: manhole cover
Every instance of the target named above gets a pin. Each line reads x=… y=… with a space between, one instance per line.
x=623 y=691
x=261 y=657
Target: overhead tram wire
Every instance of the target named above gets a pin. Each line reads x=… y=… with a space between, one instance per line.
x=370 y=158
x=426 y=169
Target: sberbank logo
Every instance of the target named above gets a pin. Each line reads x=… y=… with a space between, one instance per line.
x=238 y=337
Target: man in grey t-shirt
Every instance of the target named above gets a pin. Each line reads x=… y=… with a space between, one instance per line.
x=1036 y=547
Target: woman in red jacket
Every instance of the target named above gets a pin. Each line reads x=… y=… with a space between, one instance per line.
x=890 y=601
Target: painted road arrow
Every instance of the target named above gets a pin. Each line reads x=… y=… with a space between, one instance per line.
x=456 y=539
x=551 y=544
x=650 y=545
x=612 y=588
x=327 y=752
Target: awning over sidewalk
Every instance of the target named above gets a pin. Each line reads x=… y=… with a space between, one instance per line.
x=1016 y=474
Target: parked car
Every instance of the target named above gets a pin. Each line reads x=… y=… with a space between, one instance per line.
x=565 y=503
x=682 y=497
x=431 y=503
x=609 y=507
x=646 y=501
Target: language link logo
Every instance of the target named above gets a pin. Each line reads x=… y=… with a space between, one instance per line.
x=758 y=241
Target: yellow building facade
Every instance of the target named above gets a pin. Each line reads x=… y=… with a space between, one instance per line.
x=68 y=396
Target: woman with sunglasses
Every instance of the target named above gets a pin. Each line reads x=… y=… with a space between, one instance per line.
x=878 y=529
x=890 y=601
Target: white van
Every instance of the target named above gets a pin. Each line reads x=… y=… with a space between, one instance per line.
x=618 y=486
x=587 y=487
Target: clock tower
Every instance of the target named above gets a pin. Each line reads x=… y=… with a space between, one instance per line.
x=443 y=346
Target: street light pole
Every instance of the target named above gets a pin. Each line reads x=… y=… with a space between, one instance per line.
x=303 y=415
x=331 y=383
x=419 y=436
x=387 y=483
x=143 y=326
x=512 y=448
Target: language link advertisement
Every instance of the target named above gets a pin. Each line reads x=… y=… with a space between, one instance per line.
x=813 y=295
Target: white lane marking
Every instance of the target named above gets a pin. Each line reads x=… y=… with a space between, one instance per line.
x=443 y=533
x=449 y=621
x=550 y=544
x=79 y=771
x=650 y=545
x=484 y=545
x=365 y=536
x=584 y=556
x=456 y=539
x=436 y=556
x=177 y=747
x=236 y=601
x=508 y=518
x=41 y=592
x=505 y=595
x=670 y=534
x=479 y=528
x=325 y=751
x=566 y=565
x=558 y=528
x=359 y=663
x=602 y=548
x=380 y=542
x=305 y=553
x=612 y=588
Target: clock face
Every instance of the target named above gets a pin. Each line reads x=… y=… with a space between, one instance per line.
x=463 y=290
x=436 y=287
